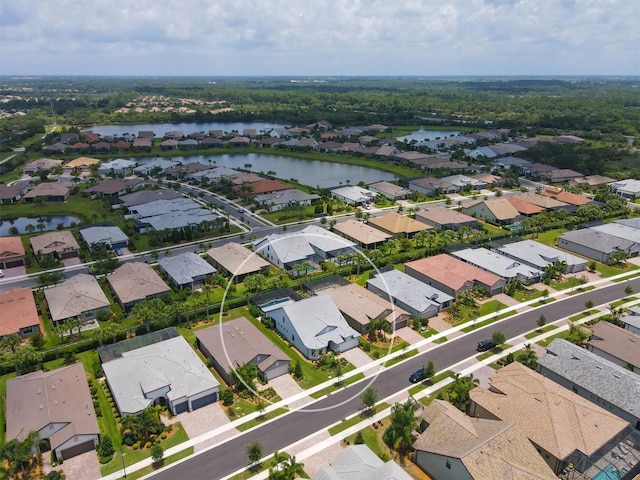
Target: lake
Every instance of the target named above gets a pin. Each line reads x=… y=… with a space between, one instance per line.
x=307 y=172
x=186 y=127
x=421 y=135
x=50 y=223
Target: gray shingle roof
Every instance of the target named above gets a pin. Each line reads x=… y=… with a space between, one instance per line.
x=496 y=263
x=538 y=254
x=109 y=235
x=358 y=462
x=184 y=267
x=408 y=290
x=599 y=241
x=76 y=295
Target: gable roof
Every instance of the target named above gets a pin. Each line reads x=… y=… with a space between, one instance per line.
x=563 y=421
x=185 y=267
x=76 y=295
x=501 y=208
x=54 y=242
x=110 y=234
x=237 y=259
x=496 y=263
x=18 y=310
x=11 y=247
x=566 y=197
x=619 y=230
x=361 y=232
x=49 y=189
x=136 y=281
x=396 y=223
x=540 y=200
x=487 y=448
x=267 y=186
x=539 y=254
x=444 y=216
x=114 y=185
x=617 y=342
x=390 y=188
x=452 y=272
x=359 y=462
x=410 y=291
x=598 y=240
x=145 y=196
x=523 y=207
x=82 y=162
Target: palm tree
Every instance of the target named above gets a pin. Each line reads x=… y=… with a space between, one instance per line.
x=11 y=342
x=459 y=390
x=529 y=358
x=112 y=330
x=399 y=434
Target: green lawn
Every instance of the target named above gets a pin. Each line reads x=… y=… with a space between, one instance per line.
x=3 y=396
x=257 y=421
x=582 y=315
x=338 y=385
x=527 y=294
x=609 y=271
x=550 y=237
x=581 y=290
x=342 y=426
x=539 y=331
x=399 y=358
x=166 y=461
x=492 y=306
x=543 y=302
x=622 y=301
x=440 y=340
x=548 y=340
x=432 y=381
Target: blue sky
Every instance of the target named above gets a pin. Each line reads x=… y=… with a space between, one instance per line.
x=319 y=37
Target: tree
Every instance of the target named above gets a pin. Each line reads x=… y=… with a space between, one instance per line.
x=498 y=337
x=529 y=358
x=459 y=389
x=105 y=448
x=254 y=453
x=378 y=325
x=296 y=369
x=429 y=370
x=542 y=321
x=589 y=304
x=157 y=454
x=10 y=342
x=628 y=290
x=399 y=434
x=369 y=398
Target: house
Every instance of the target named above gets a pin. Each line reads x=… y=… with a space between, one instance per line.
x=454 y=446
x=238 y=342
x=187 y=270
x=616 y=344
x=462 y=182
x=143 y=144
x=49 y=192
x=312 y=244
x=360 y=462
x=146 y=134
x=60 y=244
x=353 y=195
x=69 y=137
x=167 y=372
x=360 y=306
x=119 y=166
x=114 y=187
x=146 y=196
x=79 y=297
x=82 y=163
x=596 y=244
x=431 y=186
x=566 y=197
x=173 y=214
x=489 y=179
x=276 y=201
x=361 y=233
x=443 y=218
x=236 y=261
x=12 y=252
x=629 y=188
x=134 y=282
x=547 y=203
x=11 y=193
x=390 y=190
x=525 y=208
x=497 y=210
x=56 y=148
x=501 y=265
x=155 y=166
x=398 y=225
x=540 y=256
x=211 y=142
x=169 y=144
x=563 y=427
x=620 y=230
x=630 y=222
x=561 y=175
x=314 y=326
x=110 y=236
x=57 y=404
x=594 y=378
x=239 y=142
x=19 y=313
x=265 y=186
x=593 y=180
x=563 y=139
x=453 y=276
x=41 y=165
x=631 y=321
x=506 y=163
x=418 y=298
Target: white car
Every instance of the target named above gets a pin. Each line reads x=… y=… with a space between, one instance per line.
x=1 y=274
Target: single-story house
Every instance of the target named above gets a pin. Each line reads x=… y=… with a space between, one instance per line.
x=264 y=186
x=456 y=446
x=163 y=373
x=461 y=182
x=525 y=208
x=501 y=265
x=11 y=193
x=390 y=190
x=453 y=276
x=496 y=210
x=631 y=321
x=236 y=261
x=594 y=378
x=566 y=197
x=398 y=225
x=119 y=166
x=143 y=144
x=418 y=298
x=597 y=245
x=145 y=196
x=359 y=461
x=430 y=186
x=629 y=188
x=619 y=230
x=187 y=270
x=12 y=252
x=41 y=165
x=114 y=187
x=239 y=142
x=540 y=255
x=79 y=296
x=49 y=192
x=561 y=175
x=443 y=218
x=314 y=326
x=69 y=137
x=616 y=344
x=82 y=163
x=353 y=195
x=361 y=233
x=60 y=244
x=111 y=237
x=155 y=166
x=594 y=180
x=489 y=179
x=57 y=404
x=563 y=427
x=548 y=203
x=237 y=342
x=276 y=201
x=134 y=282
x=19 y=313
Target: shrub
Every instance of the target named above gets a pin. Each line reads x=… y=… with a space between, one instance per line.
x=359 y=440
x=104 y=460
x=54 y=475
x=226 y=396
x=135 y=446
x=94 y=391
x=148 y=445
x=163 y=435
x=98 y=412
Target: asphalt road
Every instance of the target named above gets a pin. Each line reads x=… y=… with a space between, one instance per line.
x=277 y=435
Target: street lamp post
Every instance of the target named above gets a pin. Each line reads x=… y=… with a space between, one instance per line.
x=124 y=470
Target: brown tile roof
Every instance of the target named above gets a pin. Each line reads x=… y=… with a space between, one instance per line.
x=11 y=247
x=267 y=186
x=444 y=216
x=551 y=416
x=452 y=272
x=49 y=190
x=489 y=449
x=135 y=281
x=237 y=259
x=114 y=185
x=617 y=342
x=361 y=232
x=54 y=242
x=525 y=208
x=566 y=197
x=18 y=309
x=394 y=223
x=540 y=200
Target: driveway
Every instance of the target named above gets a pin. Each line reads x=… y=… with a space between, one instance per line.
x=15 y=272
x=201 y=421
x=80 y=467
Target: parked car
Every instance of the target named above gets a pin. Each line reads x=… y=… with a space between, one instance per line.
x=485 y=345
x=417 y=376
x=119 y=252
x=1 y=274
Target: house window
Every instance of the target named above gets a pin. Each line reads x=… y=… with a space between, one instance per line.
x=574 y=389
x=448 y=463
x=27 y=330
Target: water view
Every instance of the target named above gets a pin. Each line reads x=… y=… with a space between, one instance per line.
x=39 y=224
x=426 y=135
x=185 y=127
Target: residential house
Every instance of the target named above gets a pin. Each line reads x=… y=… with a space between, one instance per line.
x=236 y=261
x=563 y=139
x=594 y=378
x=631 y=321
x=506 y=163
x=134 y=282
x=142 y=144
x=629 y=188
x=211 y=142
x=174 y=214
x=540 y=256
x=264 y=186
x=41 y=165
x=418 y=298
x=56 y=148
x=60 y=244
x=398 y=225
x=11 y=194
x=360 y=306
x=114 y=187
x=593 y=180
x=431 y=186
x=314 y=326
x=359 y=462
x=561 y=175
x=189 y=144
x=615 y=344
x=454 y=446
x=49 y=192
x=187 y=270
x=155 y=166
x=79 y=297
x=353 y=195
x=453 y=276
x=390 y=190
x=12 y=252
x=82 y=163
x=501 y=265
x=169 y=144
x=119 y=166
x=619 y=230
x=630 y=222
x=566 y=197
x=57 y=405
x=525 y=208
x=239 y=142
x=280 y=200
x=596 y=244
x=563 y=427
x=238 y=342
x=168 y=373
x=111 y=237
x=443 y=218
x=489 y=179
x=361 y=233
x=497 y=210
x=146 y=196
x=19 y=313
x=547 y=203
x=462 y=182
x=146 y=134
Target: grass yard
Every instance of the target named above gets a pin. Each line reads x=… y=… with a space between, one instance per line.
x=263 y=418
x=544 y=343
x=363 y=415
x=344 y=382
x=399 y=358
x=550 y=237
x=527 y=294
x=432 y=381
x=582 y=315
x=166 y=461
x=540 y=331
x=622 y=301
x=609 y=271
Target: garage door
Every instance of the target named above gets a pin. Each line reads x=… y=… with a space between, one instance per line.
x=77 y=449
x=14 y=263
x=201 y=402
x=181 y=407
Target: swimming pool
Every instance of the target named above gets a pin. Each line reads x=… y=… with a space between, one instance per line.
x=273 y=304
x=609 y=473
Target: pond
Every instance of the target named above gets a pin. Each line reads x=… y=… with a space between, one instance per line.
x=185 y=127
x=426 y=135
x=307 y=172
x=49 y=222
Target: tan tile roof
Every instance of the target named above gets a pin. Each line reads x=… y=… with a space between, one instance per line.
x=500 y=207
x=489 y=449
x=617 y=342
x=82 y=162
x=11 y=247
x=237 y=259
x=49 y=189
x=551 y=416
x=361 y=232
x=136 y=281
x=54 y=242
x=18 y=309
x=76 y=295
x=394 y=222
x=540 y=200
x=444 y=216
x=452 y=272
x=524 y=208
x=566 y=197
